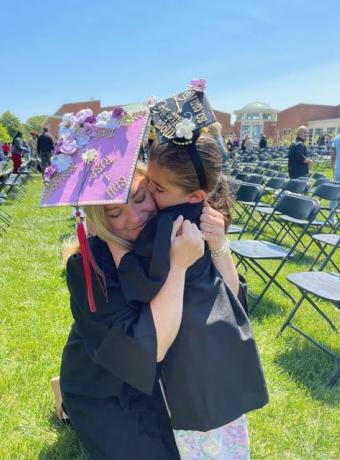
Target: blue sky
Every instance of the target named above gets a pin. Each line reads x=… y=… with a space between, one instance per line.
x=278 y=52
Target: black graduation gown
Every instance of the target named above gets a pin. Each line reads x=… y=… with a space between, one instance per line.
x=296 y=159
x=212 y=373
x=109 y=375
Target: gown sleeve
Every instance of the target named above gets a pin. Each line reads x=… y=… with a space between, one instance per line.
x=118 y=337
x=142 y=273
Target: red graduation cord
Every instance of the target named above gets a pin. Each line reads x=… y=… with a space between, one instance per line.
x=88 y=262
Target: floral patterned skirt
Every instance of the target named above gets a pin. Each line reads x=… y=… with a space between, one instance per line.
x=229 y=442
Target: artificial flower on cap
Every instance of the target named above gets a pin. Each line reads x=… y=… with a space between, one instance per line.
x=94 y=163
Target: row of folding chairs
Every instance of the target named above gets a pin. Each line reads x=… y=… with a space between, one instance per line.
x=12 y=187
x=293 y=219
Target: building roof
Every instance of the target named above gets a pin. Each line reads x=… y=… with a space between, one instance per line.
x=256 y=106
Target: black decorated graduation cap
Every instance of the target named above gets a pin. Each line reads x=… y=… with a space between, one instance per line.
x=179 y=119
x=178 y=116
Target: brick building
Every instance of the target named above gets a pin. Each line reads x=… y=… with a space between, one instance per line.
x=52 y=123
x=317 y=117
x=225 y=119
x=252 y=119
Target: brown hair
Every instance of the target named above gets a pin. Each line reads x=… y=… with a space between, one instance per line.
x=176 y=159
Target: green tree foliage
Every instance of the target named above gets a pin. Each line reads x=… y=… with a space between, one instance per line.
x=4 y=136
x=35 y=123
x=287 y=139
x=11 y=123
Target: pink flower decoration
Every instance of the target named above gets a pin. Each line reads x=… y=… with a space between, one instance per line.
x=198 y=84
x=151 y=101
x=118 y=113
x=69 y=147
x=83 y=115
x=91 y=119
x=49 y=171
x=88 y=130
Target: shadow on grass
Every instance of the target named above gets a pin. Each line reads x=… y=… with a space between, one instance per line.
x=67 y=445
x=313 y=368
x=265 y=309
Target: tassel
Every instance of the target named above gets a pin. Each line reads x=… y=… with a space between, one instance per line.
x=88 y=263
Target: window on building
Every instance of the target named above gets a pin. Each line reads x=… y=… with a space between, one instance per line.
x=253 y=116
x=338 y=130
x=331 y=131
x=318 y=131
x=267 y=116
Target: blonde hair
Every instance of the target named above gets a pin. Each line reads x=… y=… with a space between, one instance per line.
x=96 y=221
x=215 y=129
x=176 y=159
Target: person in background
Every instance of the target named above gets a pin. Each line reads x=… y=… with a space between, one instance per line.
x=17 y=151
x=321 y=140
x=263 y=141
x=26 y=150
x=249 y=143
x=329 y=142
x=230 y=145
x=45 y=146
x=215 y=132
x=236 y=142
x=33 y=143
x=335 y=161
x=6 y=148
x=298 y=161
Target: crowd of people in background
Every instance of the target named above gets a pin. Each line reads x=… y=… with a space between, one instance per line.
x=38 y=148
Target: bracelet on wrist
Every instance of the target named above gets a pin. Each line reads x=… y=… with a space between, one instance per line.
x=222 y=251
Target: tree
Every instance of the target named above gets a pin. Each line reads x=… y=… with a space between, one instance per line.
x=36 y=123
x=4 y=136
x=11 y=123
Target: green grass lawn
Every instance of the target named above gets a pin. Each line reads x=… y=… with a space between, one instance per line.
x=301 y=421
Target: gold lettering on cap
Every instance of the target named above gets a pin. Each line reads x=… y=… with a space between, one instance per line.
x=100 y=166
x=104 y=132
x=114 y=187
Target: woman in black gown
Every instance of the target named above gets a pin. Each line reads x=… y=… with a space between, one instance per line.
x=109 y=371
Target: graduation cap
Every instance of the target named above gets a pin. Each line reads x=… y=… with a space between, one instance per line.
x=94 y=163
x=179 y=119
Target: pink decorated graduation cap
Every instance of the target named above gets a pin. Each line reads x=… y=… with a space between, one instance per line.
x=95 y=158
x=93 y=164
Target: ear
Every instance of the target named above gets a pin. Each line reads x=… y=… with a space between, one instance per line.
x=197 y=196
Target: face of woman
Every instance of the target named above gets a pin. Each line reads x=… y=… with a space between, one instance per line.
x=163 y=191
x=128 y=220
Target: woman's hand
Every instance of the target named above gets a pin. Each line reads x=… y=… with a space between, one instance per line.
x=187 y=244
x=212 y=227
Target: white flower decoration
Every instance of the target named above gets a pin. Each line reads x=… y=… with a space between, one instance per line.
x=103 y=118
x=61 y=162
x=185 y=128
x=69 y=124
x=89 y=156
